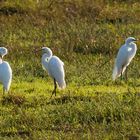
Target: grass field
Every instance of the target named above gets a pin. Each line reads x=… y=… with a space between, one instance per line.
x=86 y=35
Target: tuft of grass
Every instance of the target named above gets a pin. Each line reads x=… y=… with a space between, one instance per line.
x=14 y=99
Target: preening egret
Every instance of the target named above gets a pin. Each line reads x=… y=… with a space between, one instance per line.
x=55 y=68
x=125 y=55
x=5 y=71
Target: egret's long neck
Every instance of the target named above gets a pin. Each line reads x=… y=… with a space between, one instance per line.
x=1 y=58
x=2 y=54
x=45 y=59
x=132 y=47
x=127 y=43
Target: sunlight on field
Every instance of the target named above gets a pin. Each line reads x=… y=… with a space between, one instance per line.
x=86 y=36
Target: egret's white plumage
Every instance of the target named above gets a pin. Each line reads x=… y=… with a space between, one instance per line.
x=54 y=66
x=125 y=55
x=5 y=71
x=3 y=51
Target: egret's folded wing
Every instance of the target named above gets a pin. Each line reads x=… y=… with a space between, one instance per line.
x=56 y=70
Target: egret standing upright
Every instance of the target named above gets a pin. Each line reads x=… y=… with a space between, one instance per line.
x=55 y=68
x=5 y=71
x=125 y=55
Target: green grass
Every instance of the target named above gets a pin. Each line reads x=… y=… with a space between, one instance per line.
x=83 y=112
x=86 y=36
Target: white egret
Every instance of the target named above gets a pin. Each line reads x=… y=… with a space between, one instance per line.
x=55 y=68
x=125 y=55
x=5 y=71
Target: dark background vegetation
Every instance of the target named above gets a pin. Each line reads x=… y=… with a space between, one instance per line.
x=71 y=28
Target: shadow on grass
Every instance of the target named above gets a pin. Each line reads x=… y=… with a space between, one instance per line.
x=19 y=133
x=11 y=10
x=14 y=99
x=69 y=99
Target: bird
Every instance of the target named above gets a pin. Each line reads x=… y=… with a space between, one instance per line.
x=55 y=68
x=125 y=55
x=5 y=71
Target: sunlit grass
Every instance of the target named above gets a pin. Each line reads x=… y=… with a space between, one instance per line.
x=76 y=111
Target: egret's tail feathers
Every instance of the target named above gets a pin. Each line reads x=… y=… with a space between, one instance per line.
x=115 y=73
x=62 y=84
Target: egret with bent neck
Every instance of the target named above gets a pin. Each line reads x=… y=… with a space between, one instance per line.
x=55 y=68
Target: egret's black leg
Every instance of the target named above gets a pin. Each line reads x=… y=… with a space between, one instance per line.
x=121 y=76
x=55 y=86
x=122 y=73
x=126 y=76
